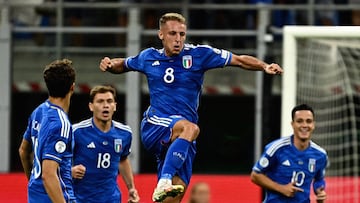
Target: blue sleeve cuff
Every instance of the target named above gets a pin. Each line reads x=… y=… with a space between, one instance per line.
x=319 y=184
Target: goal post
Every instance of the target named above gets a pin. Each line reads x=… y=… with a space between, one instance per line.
x=290 y=35
x=322 y=68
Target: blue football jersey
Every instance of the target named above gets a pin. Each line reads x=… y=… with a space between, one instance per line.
x=50 y=133
x=177 y=80
x=100 y=153
x=284 y=163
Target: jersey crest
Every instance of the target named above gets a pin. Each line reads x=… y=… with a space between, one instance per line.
x=117 y=145
x=312 y=163
x=187 y=61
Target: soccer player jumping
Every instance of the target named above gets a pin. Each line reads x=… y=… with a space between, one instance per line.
x=175 y=77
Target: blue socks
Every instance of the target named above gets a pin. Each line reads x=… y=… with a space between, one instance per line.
x=175 y=157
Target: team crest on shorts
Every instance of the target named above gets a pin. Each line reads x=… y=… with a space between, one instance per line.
x=312 y=163
x=187 y=61
x=117 y=145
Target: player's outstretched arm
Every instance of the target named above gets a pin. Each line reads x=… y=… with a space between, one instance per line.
x=251 y=63
x=115 y=65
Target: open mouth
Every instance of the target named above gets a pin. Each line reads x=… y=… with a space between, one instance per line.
x=106 y=113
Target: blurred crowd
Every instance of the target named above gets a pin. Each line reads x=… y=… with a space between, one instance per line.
x=198 y=19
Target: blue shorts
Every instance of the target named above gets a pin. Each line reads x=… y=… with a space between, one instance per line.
x=35 y=196
x=155 y=136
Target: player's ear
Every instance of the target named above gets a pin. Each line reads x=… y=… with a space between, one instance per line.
x=160 y=35
x=91 y=106
x=72 y=88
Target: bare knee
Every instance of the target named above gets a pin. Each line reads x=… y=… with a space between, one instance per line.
x=186 y=130
x=190 y=132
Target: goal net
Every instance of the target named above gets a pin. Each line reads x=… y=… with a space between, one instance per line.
x=322 y=69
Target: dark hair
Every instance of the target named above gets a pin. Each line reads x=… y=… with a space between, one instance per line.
x=171 y=16
x=59 y=76
x=300 y=108
x=101 y=89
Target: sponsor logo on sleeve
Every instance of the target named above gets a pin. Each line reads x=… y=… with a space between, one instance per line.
x=264 y=162
x=60 y=146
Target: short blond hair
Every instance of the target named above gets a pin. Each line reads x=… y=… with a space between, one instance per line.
x=101 y=89
x=171 y=16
